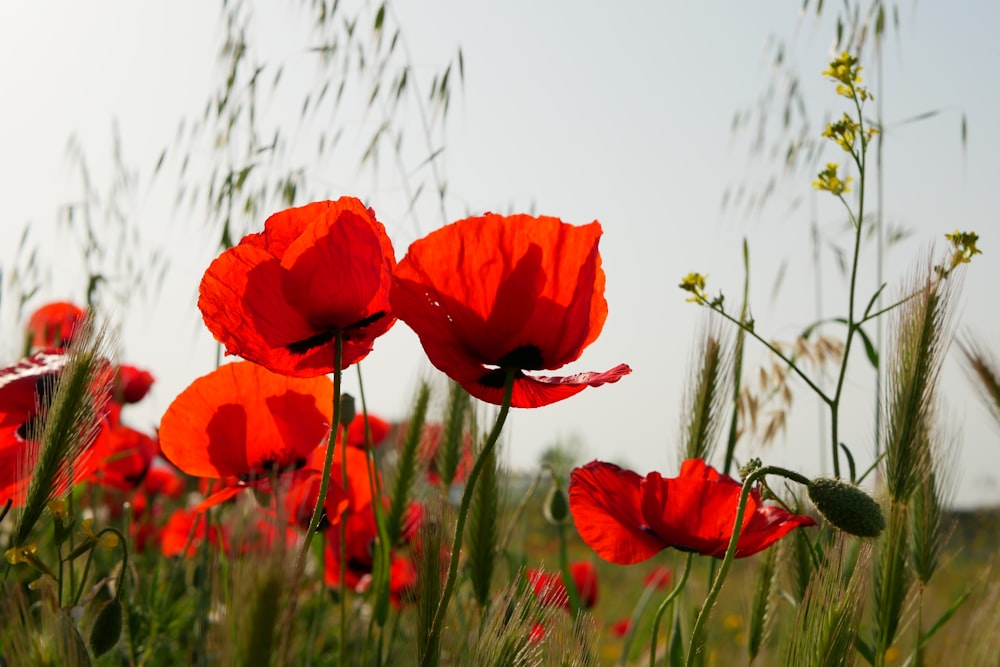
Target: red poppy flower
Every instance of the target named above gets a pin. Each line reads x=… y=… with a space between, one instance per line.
x=244 y=421
x=402 y=580
x=551 y=590
x=25 y=387
x=377 y=427
x=304 y=489
x=279 y=297
x=124 y=458
x=499 y=292
x=132 y=384
x=184 y=532
x=360 y=533
x=53 y=324
x=621 y=627
x=627 y=519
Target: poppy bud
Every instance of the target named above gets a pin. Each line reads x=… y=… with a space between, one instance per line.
x=847 y=507
x=556 y=507
x=347 y=409
x=107 y=628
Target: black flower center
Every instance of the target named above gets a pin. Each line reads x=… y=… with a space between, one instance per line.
x=324 y=337
x=526 y=357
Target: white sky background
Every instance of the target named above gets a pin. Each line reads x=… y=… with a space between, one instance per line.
x=569 y=109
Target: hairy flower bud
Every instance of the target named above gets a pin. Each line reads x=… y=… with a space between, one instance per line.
x=556 y=507
x=347 y=409
x=847 y=507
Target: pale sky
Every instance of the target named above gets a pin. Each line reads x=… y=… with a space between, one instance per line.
x=580 y=110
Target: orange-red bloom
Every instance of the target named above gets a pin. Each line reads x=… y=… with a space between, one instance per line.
x=627 y=519
x=124 y=457
x=243 y=421
x=496 y=292
x=26 y=389
x=53 y=325
x=378 y=430
x=279 y=297
x=551 y=590
x=132 y=384
x=185 y=530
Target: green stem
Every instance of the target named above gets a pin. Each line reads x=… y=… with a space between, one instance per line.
x=738 y=363
x=572 y=594
x=463 y=512
x=342 y=555
x=324 y=487
x=663 y=608
x=324 y=483
x=727 y=560
x=380 y=575
x=775 y=351
x=858 y=221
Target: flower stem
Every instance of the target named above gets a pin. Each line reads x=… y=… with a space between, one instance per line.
x=572 y=594
x=324 y=486
x=463 y=512
x=727 y=560
x=663 y=608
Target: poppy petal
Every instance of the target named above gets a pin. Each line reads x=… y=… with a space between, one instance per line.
x=696 y=510
x=517 y=292
x=604 y=501
x=534 y=391
x=241 y=419
x=352 y=243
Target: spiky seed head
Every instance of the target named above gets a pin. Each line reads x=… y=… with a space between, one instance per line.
x=847 y=507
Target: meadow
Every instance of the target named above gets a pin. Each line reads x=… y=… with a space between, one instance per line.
x=273 y=517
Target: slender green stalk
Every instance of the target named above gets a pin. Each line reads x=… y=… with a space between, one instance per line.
x=463 y=512
x=324 y=483
x=738 y=363
x=572 y=594
x=727 y=561
x=324 y=486
x=664 y=606
x=342 y=556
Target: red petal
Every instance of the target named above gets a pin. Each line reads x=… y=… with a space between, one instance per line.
x=535 y=391
x=768 y=525
x=604 y=500
x=53 y=324
x=277 y=298
x=696 y=512
x=241 y=419
x=483 y=290
x=346 y=246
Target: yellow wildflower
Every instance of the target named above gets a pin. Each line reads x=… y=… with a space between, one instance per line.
x=109 y=540
x=829 y=181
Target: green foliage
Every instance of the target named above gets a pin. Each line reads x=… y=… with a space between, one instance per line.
x=827 y=621
x=483 y=534
x=706 y=397
x=454 y=438
x=407 y=467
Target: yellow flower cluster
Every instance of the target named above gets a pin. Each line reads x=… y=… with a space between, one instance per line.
x=963 y=250
x=847 y=72
x=965 y=245
x=829 y=181
x=58 y=508
x=109 y=541
x=845 y=132
x=694 y=283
